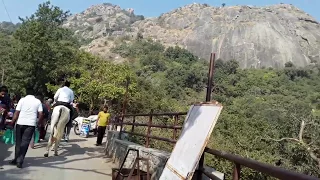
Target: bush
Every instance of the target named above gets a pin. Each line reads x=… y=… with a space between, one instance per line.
x=89 y=28
x=99 y=19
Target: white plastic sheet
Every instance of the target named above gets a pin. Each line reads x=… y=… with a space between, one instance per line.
x=196 y=132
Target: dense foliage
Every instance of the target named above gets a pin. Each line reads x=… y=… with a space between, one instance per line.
x=168 y=77
x=269 y=115
x=8 y=27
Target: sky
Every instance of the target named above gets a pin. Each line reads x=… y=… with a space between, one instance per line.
x=148 y=8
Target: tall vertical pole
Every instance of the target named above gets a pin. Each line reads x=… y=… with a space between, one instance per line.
x=2 y=78
x=210 y=77
x=104 y=102
x=208 y=98
x=125 y=101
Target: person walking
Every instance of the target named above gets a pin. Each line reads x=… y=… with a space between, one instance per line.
x=5 y=104
x=27 y=110
x=103 y=121
x=42 y=129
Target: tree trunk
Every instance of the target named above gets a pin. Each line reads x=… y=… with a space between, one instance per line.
x=91 y=107
x=79 y=98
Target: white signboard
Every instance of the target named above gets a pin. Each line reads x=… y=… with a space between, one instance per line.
x=194 y=137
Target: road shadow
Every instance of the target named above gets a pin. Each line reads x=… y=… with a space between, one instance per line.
x=5 y=151
x=43 y=144
x=76 y=140
x=66 y=150
x=14 y=174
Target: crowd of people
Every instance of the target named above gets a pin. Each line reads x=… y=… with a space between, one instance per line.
x=33 y=112
x=8 y=106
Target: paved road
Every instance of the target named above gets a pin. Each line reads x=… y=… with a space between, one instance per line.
x=78 y=159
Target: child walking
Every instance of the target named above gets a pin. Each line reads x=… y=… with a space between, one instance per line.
x=103 y=121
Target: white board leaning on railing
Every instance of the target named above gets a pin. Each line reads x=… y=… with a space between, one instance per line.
x=197 y=129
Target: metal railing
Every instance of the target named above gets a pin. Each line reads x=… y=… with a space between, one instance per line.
x=267 y=169
x=148 y=135
x=238 y=161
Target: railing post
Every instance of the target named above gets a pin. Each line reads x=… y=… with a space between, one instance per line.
x=210 y=77
x=149 y=130
x=200 y=167
x=133 y=121
x=236 y=171
x=121 y=125
x=208 y=98
x=175 y=117
x=125 y=101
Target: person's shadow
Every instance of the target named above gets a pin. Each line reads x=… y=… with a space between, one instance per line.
x=66 y=150
x=5 y=151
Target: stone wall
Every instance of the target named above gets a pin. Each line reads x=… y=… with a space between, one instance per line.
x=117 y=149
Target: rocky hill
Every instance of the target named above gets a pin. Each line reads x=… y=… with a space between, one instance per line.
x=102 y=20
x=255 y=36
x=8 y=27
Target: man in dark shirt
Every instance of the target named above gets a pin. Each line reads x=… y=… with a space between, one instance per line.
x=45 y=112
x=5 y=103
x=4 y=97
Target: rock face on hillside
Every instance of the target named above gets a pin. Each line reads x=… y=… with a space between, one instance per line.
x=255 y=36
x=8 y=27
x=102 y=20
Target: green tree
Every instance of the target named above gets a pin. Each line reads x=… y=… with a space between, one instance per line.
x=154 y=62
x=94 y=80
x=139 y=36
x=180 y=55
x=6 y=49
x=45 y=48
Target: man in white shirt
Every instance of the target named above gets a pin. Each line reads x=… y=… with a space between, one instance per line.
x=65 y=96
x=27 y=111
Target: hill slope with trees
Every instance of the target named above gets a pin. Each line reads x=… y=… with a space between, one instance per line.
x=269 y=115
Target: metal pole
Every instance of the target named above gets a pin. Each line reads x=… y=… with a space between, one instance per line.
x=133 y=121
x=124 y=106
x=210 y=77
x=149 y=129
x=2 y=78
x=208 y=98
x=175 y=124
x=236 y=172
